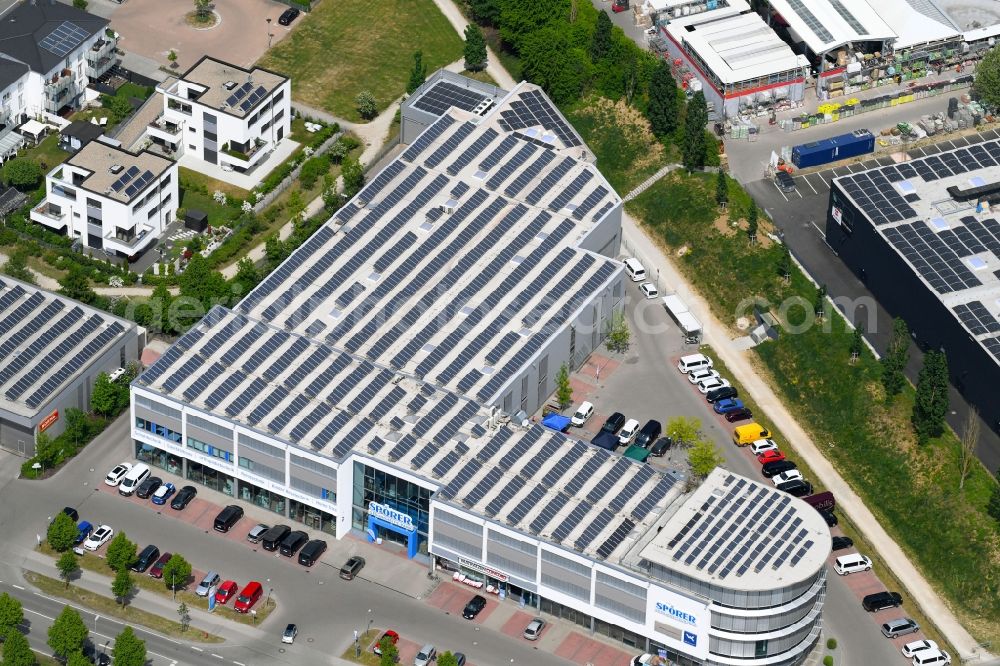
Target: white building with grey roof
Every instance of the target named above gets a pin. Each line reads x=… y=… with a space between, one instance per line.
x=376 y=383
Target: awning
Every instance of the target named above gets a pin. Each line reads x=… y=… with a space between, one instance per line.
x=9 y=143
x=33 y=127
x=556 y=422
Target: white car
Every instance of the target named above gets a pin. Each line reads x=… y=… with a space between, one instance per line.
x=712 y=384
x=427 y=654
x=912 y=648
x=116 y=475
x=628 y=432
x=648 y=290
x=703 y=375
x=786 y=476
x=932 y=658
x=762 y=445
x=584 y=412
x=98 y=537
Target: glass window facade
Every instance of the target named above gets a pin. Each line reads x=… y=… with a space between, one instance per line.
x=373 y=485
x=210 y=450
x=262 y=498
x=310 y=517
x=159 y=458
x=158 y=430
x=210 y=478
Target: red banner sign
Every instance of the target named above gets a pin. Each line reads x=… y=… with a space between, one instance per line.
x=48 y=420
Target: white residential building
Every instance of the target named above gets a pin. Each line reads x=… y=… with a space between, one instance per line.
x=110 y=199
x=224 y=115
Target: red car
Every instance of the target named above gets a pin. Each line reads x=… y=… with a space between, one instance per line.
x=391 y=635
x=248 y=597
x=156 y=571
x=226 y=591
x=770 y=456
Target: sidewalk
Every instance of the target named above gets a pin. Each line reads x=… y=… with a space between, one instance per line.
x=459 y=22
x=740 y=364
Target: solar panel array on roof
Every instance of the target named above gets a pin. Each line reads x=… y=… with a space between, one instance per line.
x=63 y=39
x=932 y=257
x=443 y=95
x=532 y=110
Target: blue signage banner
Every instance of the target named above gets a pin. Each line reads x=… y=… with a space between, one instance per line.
x=384 y=516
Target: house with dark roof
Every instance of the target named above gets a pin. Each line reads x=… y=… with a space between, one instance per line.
x=49 y=53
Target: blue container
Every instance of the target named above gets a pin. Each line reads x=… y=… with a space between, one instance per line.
x=858 y=142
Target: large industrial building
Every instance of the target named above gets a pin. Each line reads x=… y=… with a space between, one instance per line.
x=923 y=237
x=51 y=351
x=377 y=382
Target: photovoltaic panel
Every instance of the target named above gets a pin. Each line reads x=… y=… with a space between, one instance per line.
x=549 y=181
x=473 y=151
x=461 y=479
x=448 y=147
x=423 y=455
x=224 y=390
x=73 y=364
x=352 y=439
x=511 y=165
x=73 y=339
x=200 y=384
x=450 y=429
x=613 y=541
x=63 y=39
x=485 y=485
x=403 y=447
x=655 y=496
x=270 y=403
x=574 y=188
x=561 y=532
x=294 y=408
x=594 y=529
x=443 y=95
x=310 y=364
x=426 y=138
x=331 y=429
x=590 y=467
x=524 y=507
x=529 y=174
x=547 y=452
x=287 y=359
x=16 y=362
x=532 y=110
x=445 y=464
x=501 y=151
x=506 y=495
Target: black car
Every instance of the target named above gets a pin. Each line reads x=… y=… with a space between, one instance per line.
x=796 y=488
x=288 y=16
x=830 y=517
x=146 y=559
x=72 y=513
x=841 y=542
x=99 y=658
x=777 y=467
x=291 y=543
x=784 y=181
x=311 y=552
x=183 y=497
x=741 y=414
x=474 y=607
x=614 y=423
x=649 y=433
x=873 y=603
x=228 y=517
x=148 y=487
x=351 y=567
x=721 y=393
x=272 y=538
x=660 y=447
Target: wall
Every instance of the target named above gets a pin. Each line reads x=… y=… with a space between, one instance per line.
x=16 y=437
x=605 y=237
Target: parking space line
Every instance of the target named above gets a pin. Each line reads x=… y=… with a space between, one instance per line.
x=779 y=191
x=806 y=179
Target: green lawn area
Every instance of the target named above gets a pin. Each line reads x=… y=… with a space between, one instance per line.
x=47 y=153
x=200 y=180
x=909 y=488
x=342 y=48
x=367 y=657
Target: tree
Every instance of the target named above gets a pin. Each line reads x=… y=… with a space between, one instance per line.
x=721 y=188
x=683 y=429
x=619 y=334
x=752 y=225
x=897 y=355
x=11 y=614
x=61 y=533
x=67 y=633
x=390 y=653
x=201 y=282
x=275 y=250
x=694 y=132
x=600 y=43
x=664 y=104
x=366 y=104
x=703 y=458
x=295 y=205
x=987 y=83
x=819 y=302
x=785 y=263
x=993 y=506
x=446 y=658
x=475 y=48
x=331 y=198
x=76 y=284
x=857 y=342
x=80 y=4
x=104 y=398
x=354 y=176
x=121 y=552
x=184 y=616
x=970 y=441
x=122 y=586
x=418 y=74
x=22 y=173
x=176 y=571
x=129 y=650
x=486 y=12
x=118 y=106
x=247 y=275
x=17 y=266
x=172 y=57
x=312 y=170
x=202 y=8
x=78 y=659
x=551 y=59
x=68 y=566
x=564 y=392
x=930 y=405
x=160 y=305
x=17 y=651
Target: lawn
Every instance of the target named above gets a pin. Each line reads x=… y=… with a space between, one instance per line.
x=342 y=48
x=869 y=440
x=198 y=181
x=367 y=657
x=47 y=153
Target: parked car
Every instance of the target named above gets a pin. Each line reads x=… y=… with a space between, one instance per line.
x=773 y=467
x=784 y=181
x=425 y=656
x=99 y=537
x=474 y=607
x=288 y=16
x=248 y=596
x=148 y=487
x=256 y=532
x=83 y=530
x=352 y=567
x=873 y=603
x=712 y=384
x=211 y=579
x=900 y=627
x=660 y=447
x=721 y=393
x=72 y=513
x=228 y=517
x=841 y=542
x=786 y=476
x=534 y=629
x=289 y=634
x=146 y=559
x=156 y=571
x=693 y=362
x=762 y=445
x=727 y=405
x=850 y=563
x=271 y=539
x=163 y=493
x=648 y=434
x=311 y=552
x=741 y=414
x=227 y=590
x=797 y=488
x=702 y=375
x=648 y=290
x=391 y=635
x=184 y=497
x=614 y=423
x=628 y=432
x=771 y=457
x=911 y=649
x=116 y=475
x=459 y=659
x=932 y=658
x=292 y=542
x=97 y=656
x=583 y=412
x=829 y=516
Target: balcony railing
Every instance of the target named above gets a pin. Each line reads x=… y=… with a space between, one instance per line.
x=165 y=126
x=49 y=213
x=139 y=239
x=245 y=155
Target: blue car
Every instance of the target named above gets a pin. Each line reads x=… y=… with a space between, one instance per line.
x=85 y=529
x=163 y=493
x=728 y=405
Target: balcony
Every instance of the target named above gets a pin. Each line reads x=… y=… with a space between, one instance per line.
x=103 y=55
x=129 y=241
x=51 y=216
x=60 y=91
x=244 y=158
x=165 y=129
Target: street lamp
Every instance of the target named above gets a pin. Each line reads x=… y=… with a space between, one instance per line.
x=269 y=35
x=96 y=618
x=173 y=583
x=370 y=620
x=269 y=591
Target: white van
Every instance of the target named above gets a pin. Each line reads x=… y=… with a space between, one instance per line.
x=137 y=475
x=694 y=362
x=852 y=563
x=635 y=270
x=628 y=432
x=585 y=411
x=931 y=658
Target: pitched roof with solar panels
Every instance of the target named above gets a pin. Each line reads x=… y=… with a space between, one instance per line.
x=230 y=88
x=117 y=173
x=46 y=342
x=740 y=534
x=927 y=209
x=42 y=34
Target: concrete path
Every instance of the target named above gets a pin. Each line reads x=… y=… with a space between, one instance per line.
x=646 y=184
x=459 y=22
x=716 y=335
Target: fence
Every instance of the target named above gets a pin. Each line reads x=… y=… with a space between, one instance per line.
x=269 y=198
x=385 y=150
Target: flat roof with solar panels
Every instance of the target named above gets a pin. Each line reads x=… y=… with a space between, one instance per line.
x=46 y=341
x=934 y=211
x=444 y=90
x=117 y=173
x=229 y=88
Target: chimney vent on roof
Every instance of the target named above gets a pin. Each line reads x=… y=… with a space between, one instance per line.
x=229 y=85
x=116 y=168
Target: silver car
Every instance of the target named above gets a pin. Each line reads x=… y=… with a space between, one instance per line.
x=426 y=655
x=534 y=629
x=211 y=579
x=254 y=535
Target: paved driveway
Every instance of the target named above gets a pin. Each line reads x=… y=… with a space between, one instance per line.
x=151 y=28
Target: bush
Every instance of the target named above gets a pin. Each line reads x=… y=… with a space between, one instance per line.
x=312 y=170
x=22 y=173
x=831 y=643
x=827 y=660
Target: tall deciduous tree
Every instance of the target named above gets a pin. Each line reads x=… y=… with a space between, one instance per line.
x=67 y=633
x=78 y=659
x=987 y=83
x=390 y=653
x=17 y=651
x=683 y=429
x=17 y=266
x=121 y=552
x=475 y=48
x=418 y=74
x=201 y=282
x=61 y=532
x=664 y=104
x=619 y=335
x=970 y=441
x=76 y=284
x=247 y=276
x=159 y=305
x=897 y=355
x=11 y=614
x=931 y=403
x=564 y=391
x=129 y=650
x=22 y=173
x=703 y=458
x=122 y=586
x=600 y=43
x=721 y=188
x=366 y=104
x=486 y=12
x=68 y=566
x=104 y=398
x=752 y=224
x=275 y=250
x=354 y=176
x=694 y=132
x=176 y=571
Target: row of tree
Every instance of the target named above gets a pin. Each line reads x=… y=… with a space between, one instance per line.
x=67 y=637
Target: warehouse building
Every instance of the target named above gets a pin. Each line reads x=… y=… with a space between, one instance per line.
x=51 y=351
x=923 y=237
x=439 y=93
x=377 y=383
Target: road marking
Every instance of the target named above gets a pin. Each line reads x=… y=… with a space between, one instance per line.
x=17 y=587
x=217 y=656
x=779 y=191
x=28 y=610
x=239 y=663
x=196 y=649
x=806 y=179
x=821 y=232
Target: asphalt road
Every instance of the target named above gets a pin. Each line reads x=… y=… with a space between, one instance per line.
x=801 y=218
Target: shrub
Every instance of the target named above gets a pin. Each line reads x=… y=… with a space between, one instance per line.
x=831 y=643
x=828 y=660
x=22 y=173
x=312 y=170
